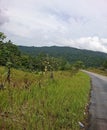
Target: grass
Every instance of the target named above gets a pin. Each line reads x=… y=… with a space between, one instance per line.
x=98 y=71
x=45 y=104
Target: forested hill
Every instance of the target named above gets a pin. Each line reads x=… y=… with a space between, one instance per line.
x=90 y=58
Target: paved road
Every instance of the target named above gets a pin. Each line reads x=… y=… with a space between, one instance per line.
x=98 y=102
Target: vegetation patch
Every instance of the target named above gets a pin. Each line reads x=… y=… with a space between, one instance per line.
x=98 y=71
x=37 y=102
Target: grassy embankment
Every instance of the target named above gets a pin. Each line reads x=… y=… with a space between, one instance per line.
x=36 y=102
x=98 y=71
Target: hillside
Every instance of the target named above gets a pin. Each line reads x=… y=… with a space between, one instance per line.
x=90 y=58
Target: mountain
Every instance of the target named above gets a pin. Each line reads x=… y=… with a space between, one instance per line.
x=90 y=58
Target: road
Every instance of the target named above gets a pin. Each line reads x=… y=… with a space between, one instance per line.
x=98 y=102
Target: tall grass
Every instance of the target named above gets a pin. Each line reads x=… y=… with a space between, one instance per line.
x=57 y=104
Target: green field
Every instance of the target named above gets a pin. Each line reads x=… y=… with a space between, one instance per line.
x=35 y=102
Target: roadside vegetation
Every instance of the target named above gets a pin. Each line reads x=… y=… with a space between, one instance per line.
x=42 y=92
x=98 y=71
x=102 y=70
x=38 y=102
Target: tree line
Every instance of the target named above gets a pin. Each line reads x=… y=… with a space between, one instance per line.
x=72 y=55
x=10 y=55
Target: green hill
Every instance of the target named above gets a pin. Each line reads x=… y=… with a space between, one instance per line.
x=90 y=58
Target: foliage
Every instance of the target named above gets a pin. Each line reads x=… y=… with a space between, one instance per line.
x=105 y=64
x=48 y=58
x=79 y=65
x=101 y=71
x=2 y=37
x=89 y=58
x=42 y=62
x=9 y=53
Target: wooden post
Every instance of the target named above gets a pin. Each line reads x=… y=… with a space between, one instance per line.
x=51 y=75
x=8 y=75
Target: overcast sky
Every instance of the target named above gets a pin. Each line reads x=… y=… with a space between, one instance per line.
x=75 y=23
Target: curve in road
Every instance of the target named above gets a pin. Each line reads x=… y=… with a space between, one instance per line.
x=98 y=102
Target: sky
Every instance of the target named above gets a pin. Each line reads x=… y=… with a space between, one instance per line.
x=76 y=23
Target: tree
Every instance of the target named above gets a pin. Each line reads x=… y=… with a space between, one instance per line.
x=8 y=52
x=79 y=65
x=105 y=64
x=67 y=66
x=2 y=37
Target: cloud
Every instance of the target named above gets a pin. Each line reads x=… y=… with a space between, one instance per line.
x=79 y=23
x=3 y=17
x=88 y=43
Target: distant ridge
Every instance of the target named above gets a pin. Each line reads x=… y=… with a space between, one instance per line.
x=90 y=58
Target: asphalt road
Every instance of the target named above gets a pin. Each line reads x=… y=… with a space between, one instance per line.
x=98 y=102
